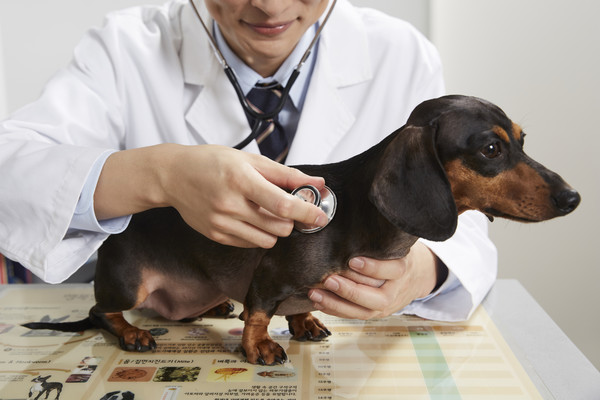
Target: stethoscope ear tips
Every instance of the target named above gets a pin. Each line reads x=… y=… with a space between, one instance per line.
x=325 y=200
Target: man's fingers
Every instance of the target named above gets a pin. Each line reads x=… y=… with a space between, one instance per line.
x=287 y=177
x=361 y=295
x=290 y=178
x=242 y=234
x=379 y=269
x=348 y=299
x=283 y=204
x=269 y=222
x=332 y=304
x=362 y=279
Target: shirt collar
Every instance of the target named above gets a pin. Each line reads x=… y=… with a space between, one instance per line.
x=247 y=77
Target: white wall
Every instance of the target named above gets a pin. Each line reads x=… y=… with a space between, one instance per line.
x=39 y=37
x=415 y=11
x=539 y=60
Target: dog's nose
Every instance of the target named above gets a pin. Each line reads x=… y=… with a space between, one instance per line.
x=566 y=200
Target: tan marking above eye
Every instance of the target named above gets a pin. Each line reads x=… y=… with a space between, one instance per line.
x=501 y=133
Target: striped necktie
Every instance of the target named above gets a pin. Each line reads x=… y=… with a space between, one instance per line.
x=272 y=140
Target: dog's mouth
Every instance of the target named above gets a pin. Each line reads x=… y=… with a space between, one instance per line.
x=492 y=213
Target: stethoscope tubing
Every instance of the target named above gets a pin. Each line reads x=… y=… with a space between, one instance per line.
x=259 y=117
x=244 y=102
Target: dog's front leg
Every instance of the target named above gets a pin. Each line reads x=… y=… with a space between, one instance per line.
x=271 y=285
x=258 y=347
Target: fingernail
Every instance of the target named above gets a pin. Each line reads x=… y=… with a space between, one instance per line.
x=315 y=296
x=321 y=221
x=331 y=284
x=357 y=264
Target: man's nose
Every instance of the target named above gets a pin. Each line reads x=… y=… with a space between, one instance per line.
x=272 y=8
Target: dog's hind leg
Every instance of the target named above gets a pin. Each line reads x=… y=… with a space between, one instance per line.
x=119 y=285
x=130 y=337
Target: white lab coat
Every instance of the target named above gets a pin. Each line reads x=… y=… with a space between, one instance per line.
x=148 y=76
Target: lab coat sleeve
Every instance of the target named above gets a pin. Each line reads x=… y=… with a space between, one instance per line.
x=47 y=150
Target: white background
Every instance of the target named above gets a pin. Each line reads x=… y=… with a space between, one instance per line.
x=538 y=59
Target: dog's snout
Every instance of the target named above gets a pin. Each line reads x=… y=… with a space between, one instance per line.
x=566 y=200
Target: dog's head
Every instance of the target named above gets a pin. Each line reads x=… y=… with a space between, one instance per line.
x=459 y=153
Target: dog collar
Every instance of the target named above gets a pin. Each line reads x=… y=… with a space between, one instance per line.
x=324 y=199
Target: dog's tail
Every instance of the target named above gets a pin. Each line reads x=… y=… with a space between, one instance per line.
x=75 y=326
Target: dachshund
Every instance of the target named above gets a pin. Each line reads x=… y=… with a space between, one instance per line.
x=455 y=153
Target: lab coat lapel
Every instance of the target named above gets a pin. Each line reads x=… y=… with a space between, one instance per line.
x=215 y=115
x=218 y=118
x=326 y=117
x=323 y=123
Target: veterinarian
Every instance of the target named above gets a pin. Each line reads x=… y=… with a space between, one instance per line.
x=144 y=116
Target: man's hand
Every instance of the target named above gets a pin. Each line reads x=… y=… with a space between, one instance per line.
x=378 y=288
x=230 y=196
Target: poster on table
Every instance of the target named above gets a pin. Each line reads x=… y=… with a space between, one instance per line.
x=390 y=358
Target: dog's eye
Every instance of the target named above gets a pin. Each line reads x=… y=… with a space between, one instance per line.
x=492 y=150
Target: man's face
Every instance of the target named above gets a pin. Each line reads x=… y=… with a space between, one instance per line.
x=264 y=32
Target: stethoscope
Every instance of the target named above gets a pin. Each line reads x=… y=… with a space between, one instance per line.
x=326 y=199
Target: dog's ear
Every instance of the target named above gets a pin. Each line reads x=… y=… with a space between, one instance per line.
x=411 y=189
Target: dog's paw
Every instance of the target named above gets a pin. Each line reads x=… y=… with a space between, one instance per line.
x=305 y=327
x=264 y=352
x=135 y=339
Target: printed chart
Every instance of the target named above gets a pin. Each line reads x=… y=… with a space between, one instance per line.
x=392 y=358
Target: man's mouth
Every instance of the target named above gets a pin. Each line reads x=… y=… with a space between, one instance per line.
x=270 y=29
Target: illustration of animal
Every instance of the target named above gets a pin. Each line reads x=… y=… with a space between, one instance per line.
x=118 y=395
x=454 y=154
x=42 y=386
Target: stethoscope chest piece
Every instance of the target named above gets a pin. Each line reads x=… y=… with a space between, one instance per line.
x=324 y=199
